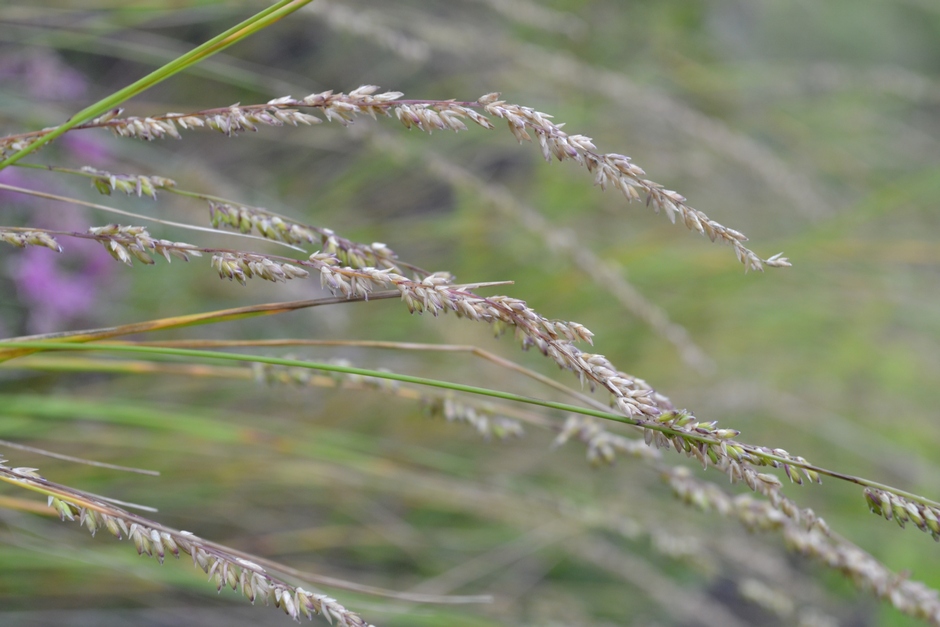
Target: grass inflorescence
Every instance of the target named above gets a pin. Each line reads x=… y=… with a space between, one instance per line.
x=618 y=417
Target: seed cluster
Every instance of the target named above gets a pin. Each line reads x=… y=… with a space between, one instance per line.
x=804 y=533
x=437 y=294
x=223 y=568
x=911 y=597
x=565 y=242
x=709 y=444
x=126 y=243
x=484 y=419
x=11 y=145
x=228 y=120
x=892 y=506
x=602 y=445
x=428 y=116
x=22 y=239
x=130 y=184
x=609 y=169
x=243 y=266
x=616 y=170
x=246 y=219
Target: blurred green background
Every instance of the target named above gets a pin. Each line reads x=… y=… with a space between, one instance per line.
x=811 y=127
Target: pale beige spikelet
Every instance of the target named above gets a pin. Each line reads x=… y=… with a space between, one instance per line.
x=223 y=568
x=27 y=237
x=127 y=243
x=602 y=445
x=243 y=266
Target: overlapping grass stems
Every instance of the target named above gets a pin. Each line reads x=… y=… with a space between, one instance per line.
x=354 y=271
x=513 y=506
x=802 y=530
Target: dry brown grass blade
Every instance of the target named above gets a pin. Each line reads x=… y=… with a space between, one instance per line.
x=176 y=322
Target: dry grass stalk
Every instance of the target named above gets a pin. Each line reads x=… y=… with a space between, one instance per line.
x=76 y=460
x=229 y=214
x=443 y=37
x=124 y=243
x=225 y=568
x=804 y=534
x=712 y=132
x=353 y=270
x=609 y=169
x=246 y=218
x=803 y=530
x=633 y=397
x=554 y=338
x=592 y=265
x=617 y=171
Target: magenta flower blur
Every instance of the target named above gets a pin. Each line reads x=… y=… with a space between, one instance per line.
x=53 y=294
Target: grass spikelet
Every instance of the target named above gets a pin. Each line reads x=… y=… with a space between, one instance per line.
x=243 y=266
x=312 y=462
x=130 y=184
x=126 y=243
x=609 y=169
x=24 y=238
x=225 y=567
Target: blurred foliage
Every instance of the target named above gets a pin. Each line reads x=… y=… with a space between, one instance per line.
x=811 y=127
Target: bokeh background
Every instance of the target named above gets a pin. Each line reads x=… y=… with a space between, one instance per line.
x=811 y=127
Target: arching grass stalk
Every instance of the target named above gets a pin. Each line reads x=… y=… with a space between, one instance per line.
x=664 y=428
x=612 y=170
x=178 y=322
x=233 y=35
x=226 y=566
x=227 y=215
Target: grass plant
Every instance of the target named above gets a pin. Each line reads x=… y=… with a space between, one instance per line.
x=420 y=522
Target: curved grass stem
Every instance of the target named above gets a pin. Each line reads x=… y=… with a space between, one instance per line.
x=233 y=35
x=665 y=429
